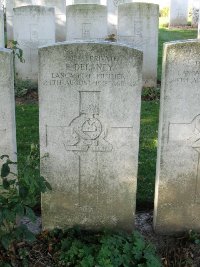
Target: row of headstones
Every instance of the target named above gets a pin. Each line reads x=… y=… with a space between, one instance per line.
x=138 y=23
x=35 y=26
x=178 y=12
x=89 y=101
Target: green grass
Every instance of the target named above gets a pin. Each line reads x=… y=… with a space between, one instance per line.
x=28 y=133
x=147 y=153
x=27 y=120
x=167 y=35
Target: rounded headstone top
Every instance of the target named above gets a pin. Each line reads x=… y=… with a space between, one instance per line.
x=91 y=43
x=87 y=6
x=181 y=42
x=34 y=9
x=141 y=4
x=5 y=50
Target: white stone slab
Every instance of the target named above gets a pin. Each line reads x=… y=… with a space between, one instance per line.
x=86 y=22
x=33 y=26
x=178 y=13
x=60 y=15
x=89 y=132
x=9 y=19
x=112 y=16
x=138 y=26
x=10 y=4
x=2 y=42
x=7 y=108
x=86 y=2
x=177 y=197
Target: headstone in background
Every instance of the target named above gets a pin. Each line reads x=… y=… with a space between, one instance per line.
x=86 y=2
x=177 y=197
x=7 y=107
x=112 y=15
x=86 y=22
x=60 y=16
x=2 y=42
x=33 y=26
x=10 y=4
x=138 y=25
x=9 y=19
x=89 y=132
x=195 y=12
x=178 y=13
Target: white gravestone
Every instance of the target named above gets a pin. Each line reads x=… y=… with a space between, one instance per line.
x=2 y=42
x=138 y=26
x=178 y=14
x=89 y=132
x=10 y=4
x=74 y=2
x=7 y=107
x=9 y=19
x=177 y=197
x=112 y=15
x=195 y=12
x=60 y=16
x=86 y=22
x=33 y=26
x=86 y=2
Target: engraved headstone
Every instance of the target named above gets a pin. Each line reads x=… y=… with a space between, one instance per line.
x=177 y=198
x=2 y=42
x=10 y=4
x=86 y=2
x=178 y=13
x=138 y=26
x=33 y=26
x=7 y=107
x=86 y=22
x=89 y=132
x=60 y=16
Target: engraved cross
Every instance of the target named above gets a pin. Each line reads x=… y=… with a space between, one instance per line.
x=189 y=132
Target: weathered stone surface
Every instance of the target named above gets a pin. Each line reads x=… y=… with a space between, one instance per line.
x=178 y=13
x=60 y=16
x=10 y=4
x=86 y=2
x=9 y=19
x=33 y=26
x=138 y=26
x=177 y=198
x=7 y=107
x=89 y=132
x=2 y=43
x=86 y=22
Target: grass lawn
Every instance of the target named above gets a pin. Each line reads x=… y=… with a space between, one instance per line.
x=167 y=35
x=27 y=128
